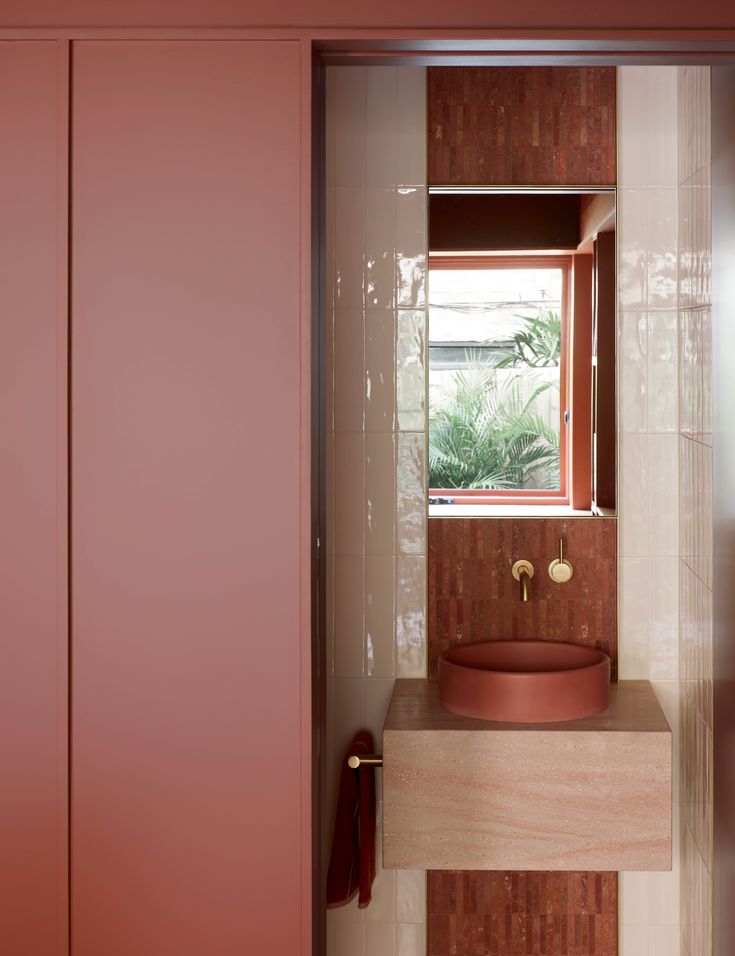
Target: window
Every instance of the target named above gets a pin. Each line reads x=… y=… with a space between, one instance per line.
x=498 y=379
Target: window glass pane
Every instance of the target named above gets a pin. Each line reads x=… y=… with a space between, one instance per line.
x=494 y=378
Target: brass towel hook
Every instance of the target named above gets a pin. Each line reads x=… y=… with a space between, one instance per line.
x=365 y=760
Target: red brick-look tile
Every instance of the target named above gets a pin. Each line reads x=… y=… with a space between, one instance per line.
x=499 y=913
x=473 y=596
x=522 y=126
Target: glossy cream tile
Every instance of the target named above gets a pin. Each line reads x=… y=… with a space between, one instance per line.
x=634 y=371
x=663 y=491
x=633 y=122
x=349 y=247
x=410 y=126
x=380 y=370
x=411 y=939
x=632 y=249
x=349 y=623
x=349 y=493
x=411 y=246
x=411 y=370
x=380 y=126
x=661 y=133
x=380 y=248
x=348 y=120
x=379 y=615
x=633 y=635
x=663 y=609
x=380 y=939
x=380 y=493
x=662 y=275
x=411 y=654
x=634 y=940
x=411 y=500
x=410 y=896
x=662 y=372
x=634 y=495
x=349 y=370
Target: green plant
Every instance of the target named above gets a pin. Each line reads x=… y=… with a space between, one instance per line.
x=485 y=434
x=538 y=345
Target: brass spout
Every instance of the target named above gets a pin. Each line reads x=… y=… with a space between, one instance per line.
x=523 y=572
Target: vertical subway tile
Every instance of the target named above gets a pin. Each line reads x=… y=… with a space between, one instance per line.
x=411 y=493
x=410 y=126
x=633 y=161
x=379 y=615
x=380 y=495
x=662 y=372
x=380 y=370
x=634 y=374
x=663 y=494
x=662 y=273
x=661 y=127
x=380 y=248
x=349 y=126
x=663 y=626
x=632 y=249
x=633 y=637
x=411 y=616
x=349 y=494
x=411 y=370
x=349 y=247
x=634 y=502
x=411 y=939
x=411 y=246
x=349 y=370
x=410 y=896
x=349 y=713
x=380 y=126
x=380 y=939
x=349 y=601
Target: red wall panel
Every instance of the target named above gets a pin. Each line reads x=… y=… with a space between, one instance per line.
x=33 y=470
x=187 y=499
x=467 y=14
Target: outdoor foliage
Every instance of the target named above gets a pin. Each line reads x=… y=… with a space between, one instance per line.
x=487 y=435
x=538 y=345
x=487 y=432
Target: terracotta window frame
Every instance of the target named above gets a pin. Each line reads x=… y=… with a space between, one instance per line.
x=563 y=496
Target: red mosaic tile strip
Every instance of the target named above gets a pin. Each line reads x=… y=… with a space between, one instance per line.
x=473 y=595
x=522 y=126
x=498 y=913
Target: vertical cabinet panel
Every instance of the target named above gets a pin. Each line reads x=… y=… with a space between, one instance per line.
x=186 y=547
x=33 y=469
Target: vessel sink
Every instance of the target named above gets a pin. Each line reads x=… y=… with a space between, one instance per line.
x=526 y=682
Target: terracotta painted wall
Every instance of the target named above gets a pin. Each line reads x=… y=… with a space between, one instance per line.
x=466 y=14
x=190 y=741
x=537 y=126
x=33 y=487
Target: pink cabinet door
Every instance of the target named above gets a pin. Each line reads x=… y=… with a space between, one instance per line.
x=33 y=499
x=188 y=554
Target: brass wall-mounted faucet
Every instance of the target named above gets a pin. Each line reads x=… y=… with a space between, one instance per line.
x=523 y=572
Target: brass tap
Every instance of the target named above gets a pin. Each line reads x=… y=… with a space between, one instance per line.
x=523 y=572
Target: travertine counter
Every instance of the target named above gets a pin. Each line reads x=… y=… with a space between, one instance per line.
x=589 y=794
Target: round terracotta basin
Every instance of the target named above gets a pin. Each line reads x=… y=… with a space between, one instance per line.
x=526 y=682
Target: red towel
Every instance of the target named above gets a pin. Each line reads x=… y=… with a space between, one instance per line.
x=352 y=861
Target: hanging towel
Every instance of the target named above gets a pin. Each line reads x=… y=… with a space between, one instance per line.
x=352 y=861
